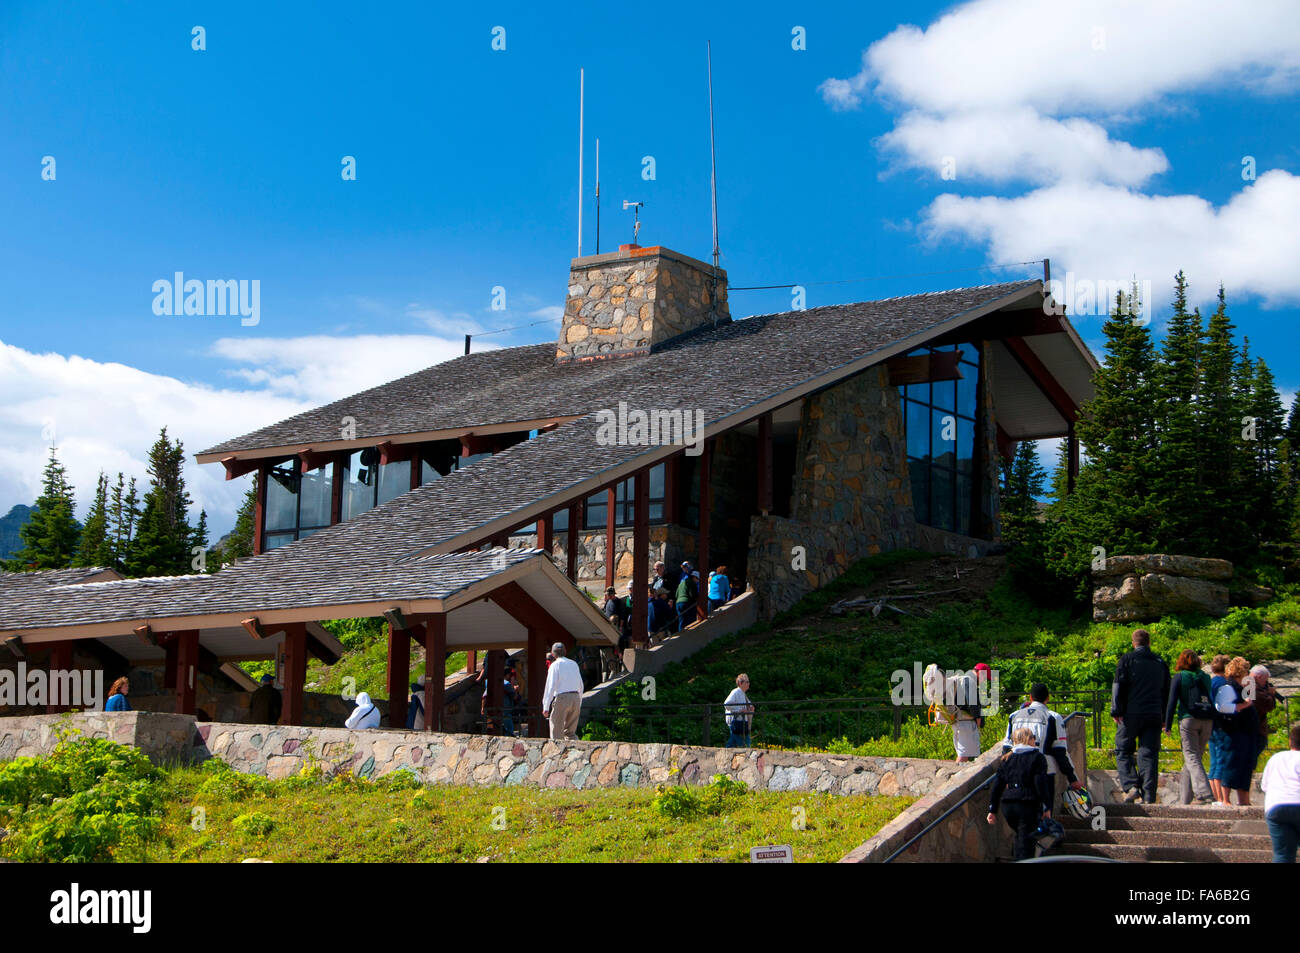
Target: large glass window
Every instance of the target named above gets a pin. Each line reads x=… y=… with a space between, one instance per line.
x=367 y=482
x=297 y=504
x=939 y=421
x=593 y=513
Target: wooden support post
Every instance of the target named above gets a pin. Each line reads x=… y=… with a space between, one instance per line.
x=187 y=670
x=765 y=464
x=640 y=550
x=495 y=675
x=536 y=680
x=706 y=502
x=575 y=517
x=435 y=675
x=399 y=674
x=546 y=533
x=336 y=487
x=60 y=661
x=415 y=469
x=167 y=641
x=295 y=672
x=259 y=511
x=471 y=662
x=611 y=544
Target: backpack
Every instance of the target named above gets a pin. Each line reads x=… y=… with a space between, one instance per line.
x=1198 y=705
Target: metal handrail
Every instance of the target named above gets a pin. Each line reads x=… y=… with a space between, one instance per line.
x=942 y=817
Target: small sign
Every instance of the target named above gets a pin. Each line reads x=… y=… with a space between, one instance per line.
x=779 y=854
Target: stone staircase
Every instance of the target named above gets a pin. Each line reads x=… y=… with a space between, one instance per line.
x=1163 y=832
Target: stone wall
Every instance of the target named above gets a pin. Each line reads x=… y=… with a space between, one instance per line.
x=478 y=759
x=629 y=301
x=852 y=496
x=1145 y=588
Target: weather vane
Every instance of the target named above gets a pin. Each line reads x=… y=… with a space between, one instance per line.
x=636 y=217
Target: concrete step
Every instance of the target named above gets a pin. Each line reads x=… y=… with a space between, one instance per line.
x=1189 y=855
x=1181 y=810
x=1147 y=838
x=1187 y=825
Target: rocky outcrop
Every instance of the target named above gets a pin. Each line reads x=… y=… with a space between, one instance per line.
x=1145 y=588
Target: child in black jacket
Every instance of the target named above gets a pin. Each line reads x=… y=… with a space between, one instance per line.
x=1024 y=789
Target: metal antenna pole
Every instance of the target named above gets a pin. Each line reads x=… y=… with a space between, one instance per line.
x=581 y=82
x=713 y=158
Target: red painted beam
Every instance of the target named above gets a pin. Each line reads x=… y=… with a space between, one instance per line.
x=1006 y=446
x=537 y=649
x=314 y=459
x=187 y=670
x=435 y=677
x=1042 y=377
x=235 y=467
x=765 y=464
x=575 y=519
x=259 y=512
x=524 y=609
x=706 y=503
x=611 y=556
x=60 y=661
x=640 y=551
x=295 y=672
x=399 y=673
x=546 y=533
x=336 y=487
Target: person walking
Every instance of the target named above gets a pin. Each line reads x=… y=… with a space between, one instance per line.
x=264 y=705
x=1266 y=697
x=687 y=596
x=1281 y=785
x=719 y=588
x=740 y=713
x=1137 y=704
x=1023 y=790
x=1218 y=737
x=562 y=696
x=1190 y=702
x=1048 y=731
x=116 y=700
x=1240 y=726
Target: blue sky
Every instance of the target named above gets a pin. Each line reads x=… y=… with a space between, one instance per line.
x=1099 y=134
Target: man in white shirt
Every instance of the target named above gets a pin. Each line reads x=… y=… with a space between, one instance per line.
x=562 y=697
x=1281 y=784
x=740 y=713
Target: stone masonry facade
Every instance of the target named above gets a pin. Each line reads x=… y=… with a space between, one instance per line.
x=630 y=301
x=852 y=495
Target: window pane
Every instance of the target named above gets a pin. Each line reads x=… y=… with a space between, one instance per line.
x=657 y=482
x=941 y=498
x=943 y=438
x=945 y=395
x=656 y=512
x=966 y=390
x=963 y=505
x=317 y=496
x=276 y=540
x=560 y=522
x=595 y=512
x=282 y=497
x=965 y=445
x=919 y=392
x=394 y=480
x=919 y=471
x=918 y=430
x=969 y=352
x=359 y=482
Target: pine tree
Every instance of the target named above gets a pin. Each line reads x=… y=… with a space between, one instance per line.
x=199 y=543
x=124 y=513
x=162 y=541
x=1178 y=488
x=51 y=535
x=1023 y=531
x=96 y=548
x=1060 y=482
x=239 y=544
x=1223 y=509
x=1266 y=490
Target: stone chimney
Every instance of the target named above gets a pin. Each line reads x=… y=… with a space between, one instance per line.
x=635 y=299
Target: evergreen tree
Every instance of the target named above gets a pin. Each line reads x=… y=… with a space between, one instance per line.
x=1223 y=510
x=199 y=543
x=1060 y=482
x=96 y=548
x=1023 y=531
x=239 y=544
x=51 y=535
x=1178 y=489
x=1265 y=490
x=124 y=514
x=162 y=541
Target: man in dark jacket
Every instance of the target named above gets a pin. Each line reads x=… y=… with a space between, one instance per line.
x=264 y=706
x=1137 y=705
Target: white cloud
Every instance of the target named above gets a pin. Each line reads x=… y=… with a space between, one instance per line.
x=440 y=322
x=1250 y=244
x=1099 y=56
x=105 y=416
x=551 y=312
x=319 y=368
x=1017 y=144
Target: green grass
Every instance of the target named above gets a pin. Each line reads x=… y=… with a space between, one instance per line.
x=310 y=821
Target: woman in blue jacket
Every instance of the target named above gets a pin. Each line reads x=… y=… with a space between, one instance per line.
x=117 y=696
x=719 y=588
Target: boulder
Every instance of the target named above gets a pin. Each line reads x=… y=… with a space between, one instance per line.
x=1145 y=588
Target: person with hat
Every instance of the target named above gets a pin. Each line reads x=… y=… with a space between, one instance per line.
x=264 y=705
x=688 y=595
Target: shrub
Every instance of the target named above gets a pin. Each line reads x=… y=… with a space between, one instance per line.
x=258 y=825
